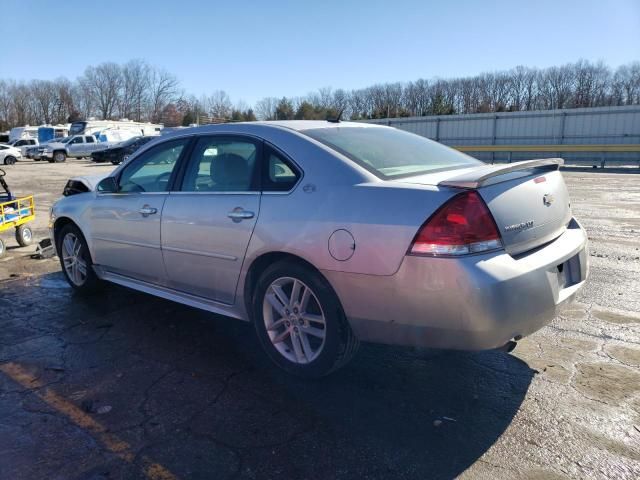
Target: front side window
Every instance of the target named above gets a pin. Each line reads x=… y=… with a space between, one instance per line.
x=152 y=171
x=390 y=153
x=75 y=140
x=221 y=165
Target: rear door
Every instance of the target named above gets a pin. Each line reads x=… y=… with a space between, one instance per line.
x=207 y=224
x=90 y=145
x=125 y=226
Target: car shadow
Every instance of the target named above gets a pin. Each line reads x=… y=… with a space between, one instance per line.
x=391 y=413
x=424 y=414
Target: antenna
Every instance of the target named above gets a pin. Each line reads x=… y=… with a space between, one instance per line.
x=336 y=119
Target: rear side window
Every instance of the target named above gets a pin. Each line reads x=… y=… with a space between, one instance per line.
x=222 y=164
x=278 y=174
x=89 y=139
x=390 y=153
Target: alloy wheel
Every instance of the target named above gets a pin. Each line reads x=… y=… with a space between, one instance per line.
x=294 y=320
x=74 y=264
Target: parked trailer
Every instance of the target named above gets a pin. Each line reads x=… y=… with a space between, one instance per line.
x=27 y=131
x=49 y=132
x=122 y=129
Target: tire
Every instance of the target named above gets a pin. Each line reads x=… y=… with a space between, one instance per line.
x=76 y=253
x=3 y=249
x=59 y=157
x=9 y=160
x=300 y=353
x=24 y=235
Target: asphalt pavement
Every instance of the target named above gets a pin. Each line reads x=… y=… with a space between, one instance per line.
x=124 y=385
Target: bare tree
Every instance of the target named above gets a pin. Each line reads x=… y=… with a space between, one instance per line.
x=6 y=120
x=219 y=105
x=105 y=82
x=84 y=99
x=139 y=91
x=135 y=89
x=22 y=107
x=627 y=82
x=266 y=108
x=556 y=86
x=45 y=97
x=163 y=87
x=65 y=109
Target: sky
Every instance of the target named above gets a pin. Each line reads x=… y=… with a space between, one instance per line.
x=255 y=49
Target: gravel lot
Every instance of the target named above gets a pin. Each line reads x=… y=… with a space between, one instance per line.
x=124 y=385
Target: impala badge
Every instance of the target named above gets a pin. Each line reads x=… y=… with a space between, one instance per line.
x=519 y=226
x=547 y=199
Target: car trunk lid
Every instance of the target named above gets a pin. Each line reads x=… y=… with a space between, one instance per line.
x=528 y=200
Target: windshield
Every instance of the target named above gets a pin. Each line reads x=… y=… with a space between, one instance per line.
x=59 y=140
x=391 y=153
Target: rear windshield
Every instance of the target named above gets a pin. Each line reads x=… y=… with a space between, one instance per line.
x=391 y=153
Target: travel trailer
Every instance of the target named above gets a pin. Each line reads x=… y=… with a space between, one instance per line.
x=117 y=130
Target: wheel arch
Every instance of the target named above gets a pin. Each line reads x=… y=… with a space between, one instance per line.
x=59 y=224
x=261 y=263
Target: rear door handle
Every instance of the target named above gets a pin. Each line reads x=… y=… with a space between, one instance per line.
x=238 y=214
x=147 y=210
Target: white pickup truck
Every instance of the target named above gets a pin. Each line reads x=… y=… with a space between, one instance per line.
x=76 y=146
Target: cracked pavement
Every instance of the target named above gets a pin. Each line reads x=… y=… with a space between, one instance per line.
x=125 y=385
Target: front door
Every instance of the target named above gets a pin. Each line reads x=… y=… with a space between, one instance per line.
x=76 y=146
x=207 y=224
x=125 y=226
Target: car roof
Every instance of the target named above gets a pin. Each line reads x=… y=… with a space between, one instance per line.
x=299 y=125
x=295 y=125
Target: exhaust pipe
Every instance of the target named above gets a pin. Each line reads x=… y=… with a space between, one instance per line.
x=508 y=347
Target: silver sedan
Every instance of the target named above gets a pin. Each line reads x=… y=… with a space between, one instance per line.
x=324 y=234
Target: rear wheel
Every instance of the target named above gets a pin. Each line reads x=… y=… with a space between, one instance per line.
x=75 y=260
x=59 y=157
x=9 y=160
x=300 y=322
x=24 y=235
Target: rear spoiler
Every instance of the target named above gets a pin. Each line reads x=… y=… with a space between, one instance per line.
x=479 y=176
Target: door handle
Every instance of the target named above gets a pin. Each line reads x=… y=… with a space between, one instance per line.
x=238 y=214
x=147 y=210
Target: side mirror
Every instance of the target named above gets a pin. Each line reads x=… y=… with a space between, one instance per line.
x=108 y=185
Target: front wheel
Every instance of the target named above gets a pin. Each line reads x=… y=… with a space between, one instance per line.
x=3 y=249
x=9 y=160
x=59 y=157
x=75 y=260
x=24 y=235
x=300 y=322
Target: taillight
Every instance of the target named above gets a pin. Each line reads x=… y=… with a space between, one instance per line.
x=461 y=226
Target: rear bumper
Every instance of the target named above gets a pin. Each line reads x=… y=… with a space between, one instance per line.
x=472 y=303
